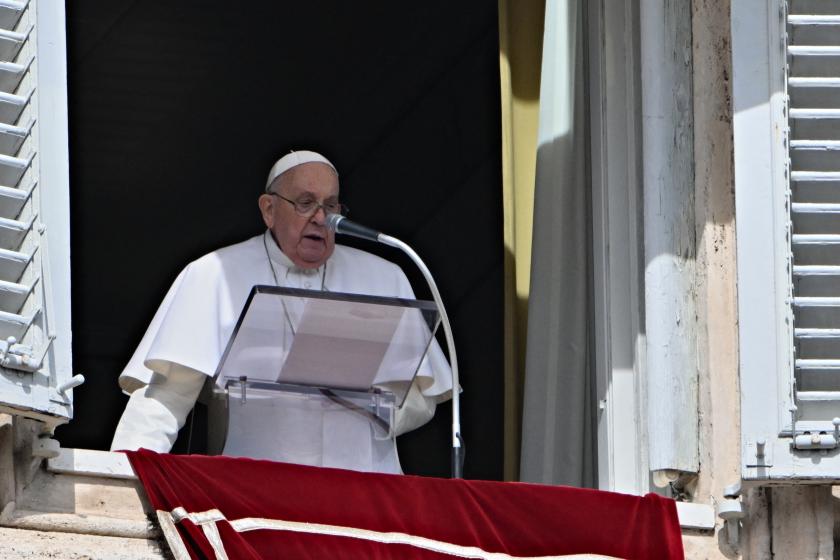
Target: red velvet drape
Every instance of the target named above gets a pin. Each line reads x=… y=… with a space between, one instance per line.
x=518 y=519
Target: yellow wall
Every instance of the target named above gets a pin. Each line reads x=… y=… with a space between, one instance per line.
x=520 y=56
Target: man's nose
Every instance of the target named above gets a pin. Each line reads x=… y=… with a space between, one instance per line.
x=319 y=216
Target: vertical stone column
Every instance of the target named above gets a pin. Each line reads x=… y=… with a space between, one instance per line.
x=7 y=462
x=756 y=540
x=802 y=522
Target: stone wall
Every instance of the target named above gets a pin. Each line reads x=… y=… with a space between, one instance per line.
x=82 y=504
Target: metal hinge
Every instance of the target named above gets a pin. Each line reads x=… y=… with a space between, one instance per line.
x=758 y=454
x=819 y=440
x=59 y=394
x=21 y=357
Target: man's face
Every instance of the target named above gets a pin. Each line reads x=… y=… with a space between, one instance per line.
x=304 y=239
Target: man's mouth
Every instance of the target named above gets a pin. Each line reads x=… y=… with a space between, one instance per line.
x=314 y=236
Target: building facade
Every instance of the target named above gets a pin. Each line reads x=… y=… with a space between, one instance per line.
x=701 y=143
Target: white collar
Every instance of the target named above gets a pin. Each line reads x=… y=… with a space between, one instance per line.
x=281 y=259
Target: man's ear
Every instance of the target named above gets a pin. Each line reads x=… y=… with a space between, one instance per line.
x=266 y=204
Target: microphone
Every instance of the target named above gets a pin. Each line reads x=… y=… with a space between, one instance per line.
x=340 y=224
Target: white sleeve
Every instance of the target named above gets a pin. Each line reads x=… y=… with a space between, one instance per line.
x=415 y=411
x=156 y=412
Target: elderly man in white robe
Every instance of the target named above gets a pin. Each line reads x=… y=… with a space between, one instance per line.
x=185 y=341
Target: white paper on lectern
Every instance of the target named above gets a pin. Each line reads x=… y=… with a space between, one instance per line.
x=328 y=342
x=340 y=343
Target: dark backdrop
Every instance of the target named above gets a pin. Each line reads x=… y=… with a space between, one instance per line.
x=177 y=111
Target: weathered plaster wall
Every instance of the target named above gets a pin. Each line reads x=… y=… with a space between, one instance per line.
x=715 y=223
x=716 y=283
x=794 y=522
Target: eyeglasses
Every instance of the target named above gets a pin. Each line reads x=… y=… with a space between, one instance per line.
x=308 y=207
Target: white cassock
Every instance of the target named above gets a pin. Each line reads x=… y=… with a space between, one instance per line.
x=189 y=333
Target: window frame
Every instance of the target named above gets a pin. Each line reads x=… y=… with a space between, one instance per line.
x=615 y=165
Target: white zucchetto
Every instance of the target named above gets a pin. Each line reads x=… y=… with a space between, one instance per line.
x=293 y=159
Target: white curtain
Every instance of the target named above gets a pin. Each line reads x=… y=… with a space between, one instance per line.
x=557 y=426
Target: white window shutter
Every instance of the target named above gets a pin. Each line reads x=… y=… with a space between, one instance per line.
x=786 y=96
x=814 y=142
x=35 y=362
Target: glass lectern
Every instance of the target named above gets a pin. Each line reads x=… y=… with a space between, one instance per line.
x=307 y=370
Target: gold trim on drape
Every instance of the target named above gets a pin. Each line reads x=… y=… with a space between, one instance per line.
x=520 y=56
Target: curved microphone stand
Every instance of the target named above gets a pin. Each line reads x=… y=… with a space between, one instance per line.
x=340 y=224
